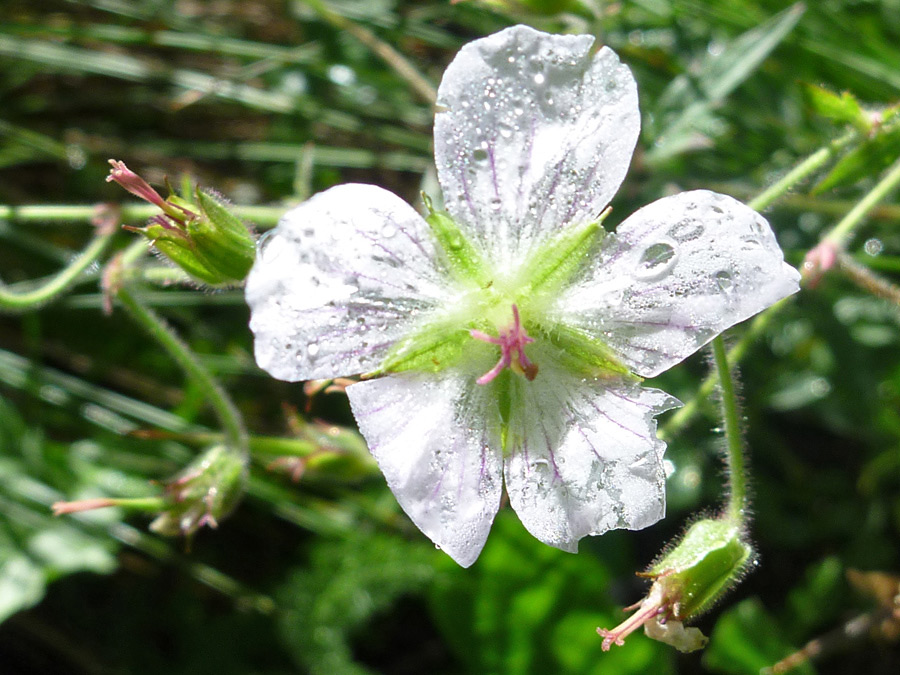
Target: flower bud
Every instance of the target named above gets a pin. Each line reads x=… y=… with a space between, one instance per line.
x=207 y=490
x=709 y=559
x=202 y=237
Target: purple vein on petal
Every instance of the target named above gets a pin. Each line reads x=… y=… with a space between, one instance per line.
x=614 y=421
x=468 y=194
x=523 y=171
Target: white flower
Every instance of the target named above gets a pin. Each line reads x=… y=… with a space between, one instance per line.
x=533 y=135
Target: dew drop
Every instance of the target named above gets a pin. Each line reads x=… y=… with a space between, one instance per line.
x=312 y=349
x=686 y=230
x=264 y=241
x=505 y=131
x=656 y=260
x=725 y=281
x=873 y=246
x=539 y=78
x=480 y=154
x=388 y=231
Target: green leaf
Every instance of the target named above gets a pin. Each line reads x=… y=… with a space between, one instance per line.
x=688 y=109
x=525 y=608
x=747 y=639
x=842 y=108
x=349 y=582
x=867 y=159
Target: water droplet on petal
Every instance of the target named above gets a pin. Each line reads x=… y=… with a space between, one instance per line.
x=480 y=155
x=263 y=242
x=686 y=230
x=312 y=349
x=388 y=231
x=656 y=260
x=724 y=280
x=539 y=78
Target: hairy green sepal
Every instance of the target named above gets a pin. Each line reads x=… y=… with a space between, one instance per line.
x=463 y=261
x=706 y=562
x=430 y=349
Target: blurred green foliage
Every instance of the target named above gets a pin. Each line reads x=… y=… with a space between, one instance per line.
x=268 y=101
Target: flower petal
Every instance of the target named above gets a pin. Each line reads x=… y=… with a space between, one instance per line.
x=436 y=440
x=342 y=277
x=532 y=133
x=583 y=456
x=676 y=274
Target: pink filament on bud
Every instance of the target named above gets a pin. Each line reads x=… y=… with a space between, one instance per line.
x=136 y=185
x=512 y=343
x=653 y=607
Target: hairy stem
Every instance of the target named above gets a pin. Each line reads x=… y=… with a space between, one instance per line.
x=840 y=233
x=159 y=330
x=800 y=172
x=734 y=444
x=13 y=302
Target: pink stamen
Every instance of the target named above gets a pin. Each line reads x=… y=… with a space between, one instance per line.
x=512 y=343
x=136 y=185
x=648 y=610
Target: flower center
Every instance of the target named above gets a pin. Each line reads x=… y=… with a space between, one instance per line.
x=512 y=343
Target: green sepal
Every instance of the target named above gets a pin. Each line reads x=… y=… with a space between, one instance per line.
x=708 y=560
x=185 y=257
x=581 y=353
x=429 y=349
x=221 y=240
x=464 y=262
x=554 y=264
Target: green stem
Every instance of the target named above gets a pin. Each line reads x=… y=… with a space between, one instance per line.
x=808 y=166
x=156 y=327
x=264 y=216
x=13 y=302
x=734 y=445
x=800 y=172
x=735 y=355
x=867 y=280
x=841 y=232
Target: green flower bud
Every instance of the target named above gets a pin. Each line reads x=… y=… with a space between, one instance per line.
x=203 y=237
x=710 y=558
x=206 y=491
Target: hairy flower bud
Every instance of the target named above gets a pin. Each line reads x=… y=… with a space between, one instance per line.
x=709 y=559
x=207 y=490
x=201 y=236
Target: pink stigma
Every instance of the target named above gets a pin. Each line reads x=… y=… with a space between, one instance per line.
x=512 y=343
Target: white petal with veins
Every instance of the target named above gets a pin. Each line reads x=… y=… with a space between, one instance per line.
x=343 y=276
x=583 y=456
x=533 y=133
x=676 y=274
x=436 y=439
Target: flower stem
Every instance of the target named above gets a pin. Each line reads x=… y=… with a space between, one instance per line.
x=863 y=277
x=837 y=235
x=800 y=172
x=734 y=444
x=264 y=216
x=12 y=302
x=841 y=232
x=156 y=327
